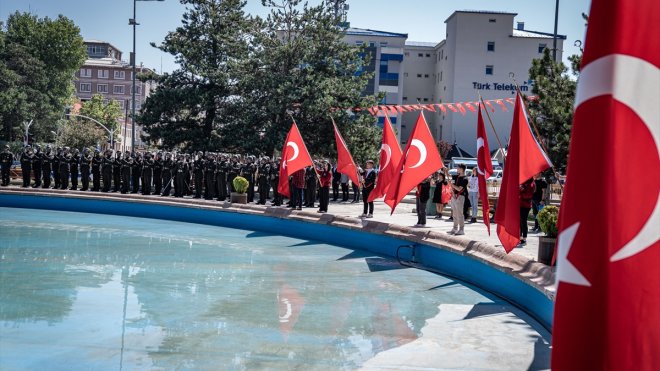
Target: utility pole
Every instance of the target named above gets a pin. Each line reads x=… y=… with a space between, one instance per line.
x=554 y=36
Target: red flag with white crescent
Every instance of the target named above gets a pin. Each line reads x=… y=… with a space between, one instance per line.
x=345 y=163
x=294 y=157
x=390 y=155
x=416 y=164
x=484 y=166
x=607 y=312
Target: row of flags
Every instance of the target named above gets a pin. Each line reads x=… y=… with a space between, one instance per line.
x=607 y=309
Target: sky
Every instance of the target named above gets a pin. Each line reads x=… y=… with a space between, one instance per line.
x=422 y=20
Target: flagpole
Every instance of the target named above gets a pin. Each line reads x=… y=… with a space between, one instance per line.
x=490 y=120
x=536 y=130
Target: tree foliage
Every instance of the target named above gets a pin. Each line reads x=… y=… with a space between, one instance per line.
x=38 y=59
x=553 y=111
x=81 y=132
x=242 y=78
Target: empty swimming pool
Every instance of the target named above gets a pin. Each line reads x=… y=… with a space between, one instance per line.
x=89 y=291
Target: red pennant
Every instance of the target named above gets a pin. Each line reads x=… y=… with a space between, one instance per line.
x=442 y=108
x=400 y=109
x=416 y=165
x=608 y=248
x=470 y=106
x=345 y=163
x=294 y=157
x=510 y=101
x=492 y=109
x=451 y=107
x=501 y=103
x=461 y=109
x=390 y=155
x=524 y=159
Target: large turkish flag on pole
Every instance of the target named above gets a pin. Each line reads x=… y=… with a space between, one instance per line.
x=294 y=157
x=390 y=155
x=484 y=167
x=524 y=158
x=416 y=164
x=607 y=312
x=345 y=163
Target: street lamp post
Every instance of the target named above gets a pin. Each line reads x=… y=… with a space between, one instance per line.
x=133 y=22
x=27 y=132
x=110 y=132
x=554 y=36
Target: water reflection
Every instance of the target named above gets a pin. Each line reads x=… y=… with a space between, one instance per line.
x=111 y=292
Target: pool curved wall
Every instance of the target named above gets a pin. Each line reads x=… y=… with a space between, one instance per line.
x=499 y=280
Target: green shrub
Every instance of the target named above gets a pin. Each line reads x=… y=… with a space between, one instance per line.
x=548 y=220
x=241 y=184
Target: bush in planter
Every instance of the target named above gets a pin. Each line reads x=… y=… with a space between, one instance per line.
x=548 y=220
x=241 y=184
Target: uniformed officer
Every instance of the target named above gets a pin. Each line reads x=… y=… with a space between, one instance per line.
x=136 y=173
x=85 y=167
x=26 y=165
x=6 y=160
x=181 y=167
x=106 y=171
x=65 y=169
x=47 y=166
x=189 y=175
x=97 y=162
x=126 y=165
x=221 y=177
x=56 y=168
x=168 y=174
x=311 y=181
x=158 y=173
x=198 y=171
x=116 y=172
x=210 y=174
x=36 y=166
x=233 y=171
x=264 y=179
x=147 y=173
x=74 y=163
x=275 y=181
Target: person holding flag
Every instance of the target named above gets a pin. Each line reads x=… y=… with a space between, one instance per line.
x=295 y=158
x=390 y=155
x=368 y=184
x=484 y=167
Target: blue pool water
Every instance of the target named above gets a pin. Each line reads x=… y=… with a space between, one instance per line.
x=87 y=291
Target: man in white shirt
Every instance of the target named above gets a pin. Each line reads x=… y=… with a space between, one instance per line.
x=473 y=194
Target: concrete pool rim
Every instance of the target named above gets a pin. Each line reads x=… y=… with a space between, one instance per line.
x=521 y=281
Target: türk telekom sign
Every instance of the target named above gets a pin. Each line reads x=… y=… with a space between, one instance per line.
x=497 y=86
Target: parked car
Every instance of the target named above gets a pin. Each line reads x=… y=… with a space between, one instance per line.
x=496 y=177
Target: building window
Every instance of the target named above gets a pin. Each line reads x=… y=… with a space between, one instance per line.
x=120 y=75
x=405 y=98
x=426 y=76
x=440 y=75
x=419 y=75
x=492 y=20
x=420 y=55
x=406 y=54
x=359 y=42
x=383 y=43
x=138 y=90
x=121 y=104
x=118 y=89
x=405 y=74
x=489 y=70
x=85 y=87
x=491 y=46
x=542 y=47
x=426 y=99
x=372 y=44
x=102 y=74
x=428 y=55
x=442 y=53
x=102 y=88
x=419 y=99
x=85 y=72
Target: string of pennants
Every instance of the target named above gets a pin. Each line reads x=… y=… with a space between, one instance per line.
x=460 y=107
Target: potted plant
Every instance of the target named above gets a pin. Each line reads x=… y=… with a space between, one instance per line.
x=548 y=222
x=240 y=186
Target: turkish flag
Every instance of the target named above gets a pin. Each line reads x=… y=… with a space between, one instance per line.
x=607 y=312
x=416 y=165
x=484 y=166
x=345 y=163
x=390 y=155
x=294 y=157
x=524 y=159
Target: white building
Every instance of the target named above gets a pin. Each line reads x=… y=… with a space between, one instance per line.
x=480 y=51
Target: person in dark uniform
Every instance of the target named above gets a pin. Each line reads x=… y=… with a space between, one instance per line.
x=325 y=180
x=356 y=187
x=106 y=171
x=199 y=165
x=422 y=196
x=56 y=168
x=126 y=165
x=264 y=180
x=65 y=167
x=26 y=165
x=74 y=163
x=85 y=167
x=274 y=180
x=336 y=178
x=181 y=169
x=368 y=185
x=46 y=166
x=147 y=173
x=311 y=179
x=168 y=174
x=188 y=191
x=210 y=173
x=36 y=166
x=158 y=173
x=247 y=171
x=136 y=173
x=97 y=161
x=222 y=169
x=6 y=160
x=116 y=172
x=234 y=170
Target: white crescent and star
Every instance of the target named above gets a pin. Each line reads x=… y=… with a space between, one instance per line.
x=635 y=83
x=480 y=144
x=422 y=152
x=388 y=153
x=296 y=151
